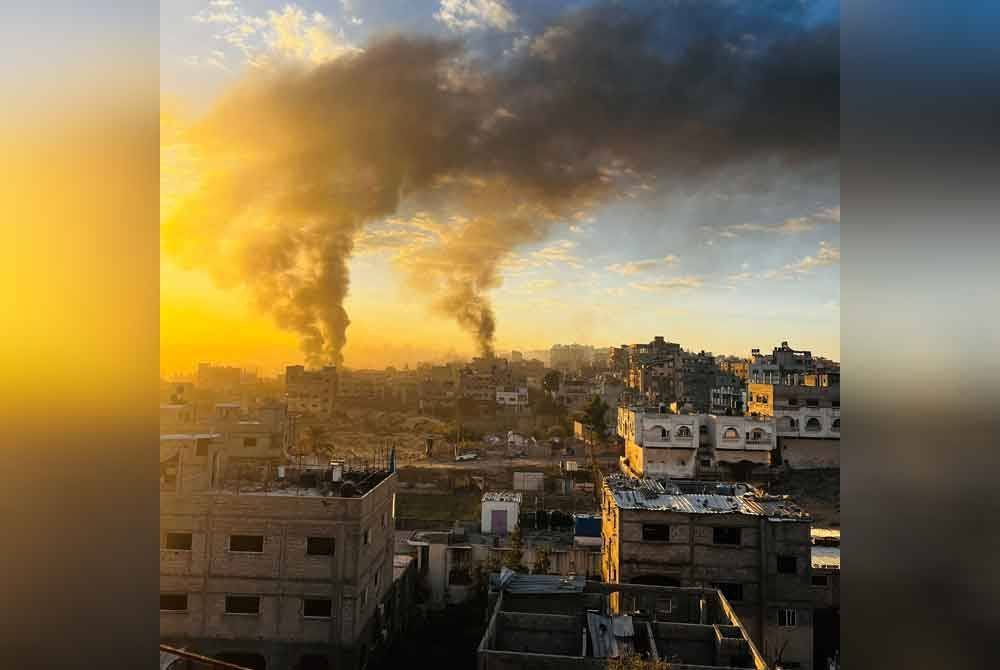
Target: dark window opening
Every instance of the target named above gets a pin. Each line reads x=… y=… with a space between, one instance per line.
x=251 y=543
x=819 y=580
x=836 y=403
x=706 y=462
x=787 y=565
x=201 y=448
x=787 y=618
x=249 y=441
x=655 y=532
x=722 y=535
x=812 y=402
x=319 y=546
x=733 y=592
x=173 y=602
x=178 y=541
x=313 y=662
x=317 y=607
x=242 y=604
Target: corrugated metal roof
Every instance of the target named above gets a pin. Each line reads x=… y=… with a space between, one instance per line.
x=602 y=636
x=651 y=494
x=502 y=496
x=524 y=584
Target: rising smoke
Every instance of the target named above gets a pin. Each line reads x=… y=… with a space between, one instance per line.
x=296 y=162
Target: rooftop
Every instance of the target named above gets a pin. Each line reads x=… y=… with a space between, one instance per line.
x=700 y=498
x=502 y=496
x=826 y=557
x=173 y=437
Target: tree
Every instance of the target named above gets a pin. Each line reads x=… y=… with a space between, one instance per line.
x=542 y=559
x=316 y=441
x=513 y=558
x=550 y=382
x=594 y=415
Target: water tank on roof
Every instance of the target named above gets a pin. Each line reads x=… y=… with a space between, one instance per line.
x=336 y=471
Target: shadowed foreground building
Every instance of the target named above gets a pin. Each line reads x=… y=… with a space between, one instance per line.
x=754 y=548
x=557 y=623
x=285 y=575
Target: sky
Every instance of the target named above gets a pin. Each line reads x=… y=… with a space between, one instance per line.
x=744 y=253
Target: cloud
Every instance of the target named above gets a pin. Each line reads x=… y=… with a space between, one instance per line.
x=672 y=283
x=541 y=284
x=827 y=255
x=790 y=226
x=560 y=252
x=468 y=15
x=635 y=267
x=290 y=34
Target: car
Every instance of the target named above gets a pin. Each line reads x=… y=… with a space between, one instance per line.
x=467 y=456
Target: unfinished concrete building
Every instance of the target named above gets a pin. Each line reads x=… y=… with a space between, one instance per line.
x=553 y=623
x=311 y=391
x=293 y=573
x=753 y=547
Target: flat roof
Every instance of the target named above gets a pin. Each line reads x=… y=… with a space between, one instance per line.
x=502 y=496
x=826 y=557
x=188 y=436
x=652 y=494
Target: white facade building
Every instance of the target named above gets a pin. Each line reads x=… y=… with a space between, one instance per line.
x=658 y=443
x=741 y=438
x=500 y=512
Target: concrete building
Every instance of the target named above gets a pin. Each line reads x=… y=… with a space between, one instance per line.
x=293 y=573
x=500 y=512
x=363 y=386
x=826 y=595
x=540 y=622
x=740 y=444
x=218 y=378
x=311 y=391
x=575 y=393
x=512 y=396
x=570 y=358
x=807 y=421
x=727 y=399
x=754 y=548
x=659 y=444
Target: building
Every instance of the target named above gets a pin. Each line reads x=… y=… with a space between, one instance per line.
x=727 y=398
x=754 y=548
x=512 y=396
x=541 y=622
x=697 y=376
x=361 y=386
x=575 y=393
x=826 y=595
x=218 y=378
x=570 y=358
x=740 y=445
x=500 y=512
x=297 y=572
x=807 y=420
x=658 y=443
x=311 y=391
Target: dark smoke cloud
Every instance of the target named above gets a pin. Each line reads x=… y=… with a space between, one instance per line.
x=298 y=161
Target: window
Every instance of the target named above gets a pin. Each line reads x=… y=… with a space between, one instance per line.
x=836 y=403
x=248 y=543
x=757 y=435
x=812 y=402
x=787 y=618
x=655 y=532
x=319 y=546
x=683 y=431
x=702 y=430
x=242 y=604
x=201 y=448
x=173 y=602
x=819 y=580
x=731 y=434
x=726 y=535
x=706 y=462
x=663 y=433
x=733 y=592
x=249 y=441
x=317 y=608
x=813 y=425
x=836 y=425
x=664 y=606
x=793 y=401
x=178 y=541
x=787 y=565
x=364 y=596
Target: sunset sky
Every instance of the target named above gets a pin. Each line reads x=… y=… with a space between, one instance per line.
x=745 y=254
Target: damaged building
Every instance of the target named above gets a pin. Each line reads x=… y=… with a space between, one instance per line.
x=753 y=547
x=561 y=623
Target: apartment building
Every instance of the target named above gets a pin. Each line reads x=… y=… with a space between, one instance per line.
x=754 y=548
x=294 y=573
x=311 y=391
x=658 y=443
x=806 y=417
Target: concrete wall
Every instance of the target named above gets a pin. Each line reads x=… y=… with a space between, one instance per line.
x=810 y=454
x=512 y=509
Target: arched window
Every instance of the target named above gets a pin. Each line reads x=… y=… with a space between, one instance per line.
x=836 y=425
x=683 y=431
x=663 y=433
x=813 y=425
x=731 y=434
x=757 y=435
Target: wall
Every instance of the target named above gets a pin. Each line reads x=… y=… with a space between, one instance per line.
x=512 y=508
x=282 y=574
x=810 y=454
